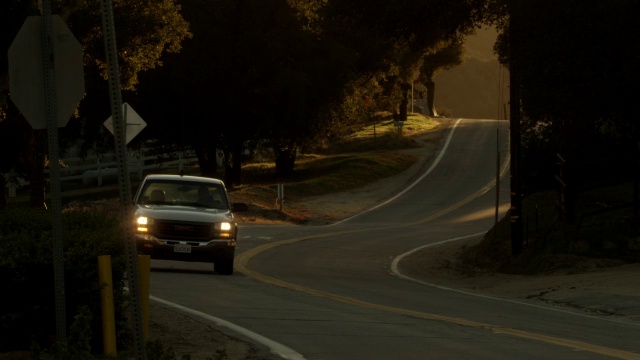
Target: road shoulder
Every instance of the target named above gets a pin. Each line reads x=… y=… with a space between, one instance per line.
x=610 y=291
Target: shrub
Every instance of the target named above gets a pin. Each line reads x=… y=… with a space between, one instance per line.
x=27 y=312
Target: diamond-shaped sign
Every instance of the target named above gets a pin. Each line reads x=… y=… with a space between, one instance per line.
x=134 y=123
x=26 y=72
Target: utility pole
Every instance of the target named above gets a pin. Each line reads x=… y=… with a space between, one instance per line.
x=514 y=122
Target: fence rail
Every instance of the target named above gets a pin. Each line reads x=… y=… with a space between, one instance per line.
x=93 y=169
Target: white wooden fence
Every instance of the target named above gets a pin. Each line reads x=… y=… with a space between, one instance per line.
x=97 y=170
x=100 y=169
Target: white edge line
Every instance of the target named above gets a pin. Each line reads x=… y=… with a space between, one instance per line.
x=395 y=271
x=433 y=165
x=275 y=347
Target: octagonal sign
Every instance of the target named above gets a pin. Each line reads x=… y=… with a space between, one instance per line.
x=26 y=72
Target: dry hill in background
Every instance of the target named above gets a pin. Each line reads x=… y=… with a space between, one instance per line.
x=472 y=90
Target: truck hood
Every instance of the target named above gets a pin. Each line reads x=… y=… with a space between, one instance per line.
x=184 y=213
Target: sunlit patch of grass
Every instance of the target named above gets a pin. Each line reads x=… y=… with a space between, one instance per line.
x=385 y=135
x=416 y=123
x=322 y=174
x=344 y=172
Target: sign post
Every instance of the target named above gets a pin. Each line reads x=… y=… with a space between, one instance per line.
x=124 y=181
x=46 y=81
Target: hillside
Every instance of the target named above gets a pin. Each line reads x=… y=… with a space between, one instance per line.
x=478 y=88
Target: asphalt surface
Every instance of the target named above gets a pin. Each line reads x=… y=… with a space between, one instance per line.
x=330 y=292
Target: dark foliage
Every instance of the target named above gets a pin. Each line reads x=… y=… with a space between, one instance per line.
x=27 y=310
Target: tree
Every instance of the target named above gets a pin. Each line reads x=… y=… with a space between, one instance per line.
x=446 y=57
x=250 y=73
x=389 y=40
x=281 y=71
x=575 y=64
x=213 y=89
x=392 y=37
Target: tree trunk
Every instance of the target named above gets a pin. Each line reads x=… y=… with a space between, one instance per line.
x=404 y=104
x=3 y=192
x=431 y=90
x=228 y=178
x=236 y=163
x=517 y=228
x=207 y=160
x=285 y=161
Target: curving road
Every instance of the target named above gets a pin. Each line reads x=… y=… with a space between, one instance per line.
x=332 y=292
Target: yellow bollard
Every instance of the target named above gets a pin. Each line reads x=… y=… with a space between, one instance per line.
x=106 y=301
x=144 y=270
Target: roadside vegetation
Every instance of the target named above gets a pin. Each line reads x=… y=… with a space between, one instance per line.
x=26 y=262
x=606 y=232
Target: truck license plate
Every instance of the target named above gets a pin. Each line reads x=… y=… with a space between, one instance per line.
x=182 y=248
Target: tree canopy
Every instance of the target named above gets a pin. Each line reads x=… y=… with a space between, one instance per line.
x=287 y=72
x=576 y=68
x=250 y=73
x=443 y=58
x=282 y=73
x=146 y=29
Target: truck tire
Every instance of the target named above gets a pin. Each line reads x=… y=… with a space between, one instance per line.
x=223 y=264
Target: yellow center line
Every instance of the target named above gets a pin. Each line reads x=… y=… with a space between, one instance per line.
x=242 y=265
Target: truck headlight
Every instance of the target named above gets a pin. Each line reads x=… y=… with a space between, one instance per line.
x=224 y=229
x=143 y=223
x=225 y=226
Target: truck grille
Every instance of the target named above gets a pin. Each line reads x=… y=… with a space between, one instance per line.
x=182 y=230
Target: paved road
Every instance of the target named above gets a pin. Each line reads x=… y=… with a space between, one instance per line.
x=330 y=292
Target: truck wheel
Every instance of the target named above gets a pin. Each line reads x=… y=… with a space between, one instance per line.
x=224 y=264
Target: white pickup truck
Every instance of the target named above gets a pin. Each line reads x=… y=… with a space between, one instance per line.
x=186 y=218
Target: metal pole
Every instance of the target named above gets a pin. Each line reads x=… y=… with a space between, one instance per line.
x=54 y=171
x=495 y=226
x=516 y=200
x=412 y=96
x=119 y=129
x=280 y=195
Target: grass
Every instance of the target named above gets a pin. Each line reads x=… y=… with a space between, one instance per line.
x=349 y=163
x=384 y=135
x=322 y=174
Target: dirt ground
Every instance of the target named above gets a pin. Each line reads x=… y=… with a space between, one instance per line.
x=191 y=338
x=612 y=291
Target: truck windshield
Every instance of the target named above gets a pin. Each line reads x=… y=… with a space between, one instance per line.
x=184 y=193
